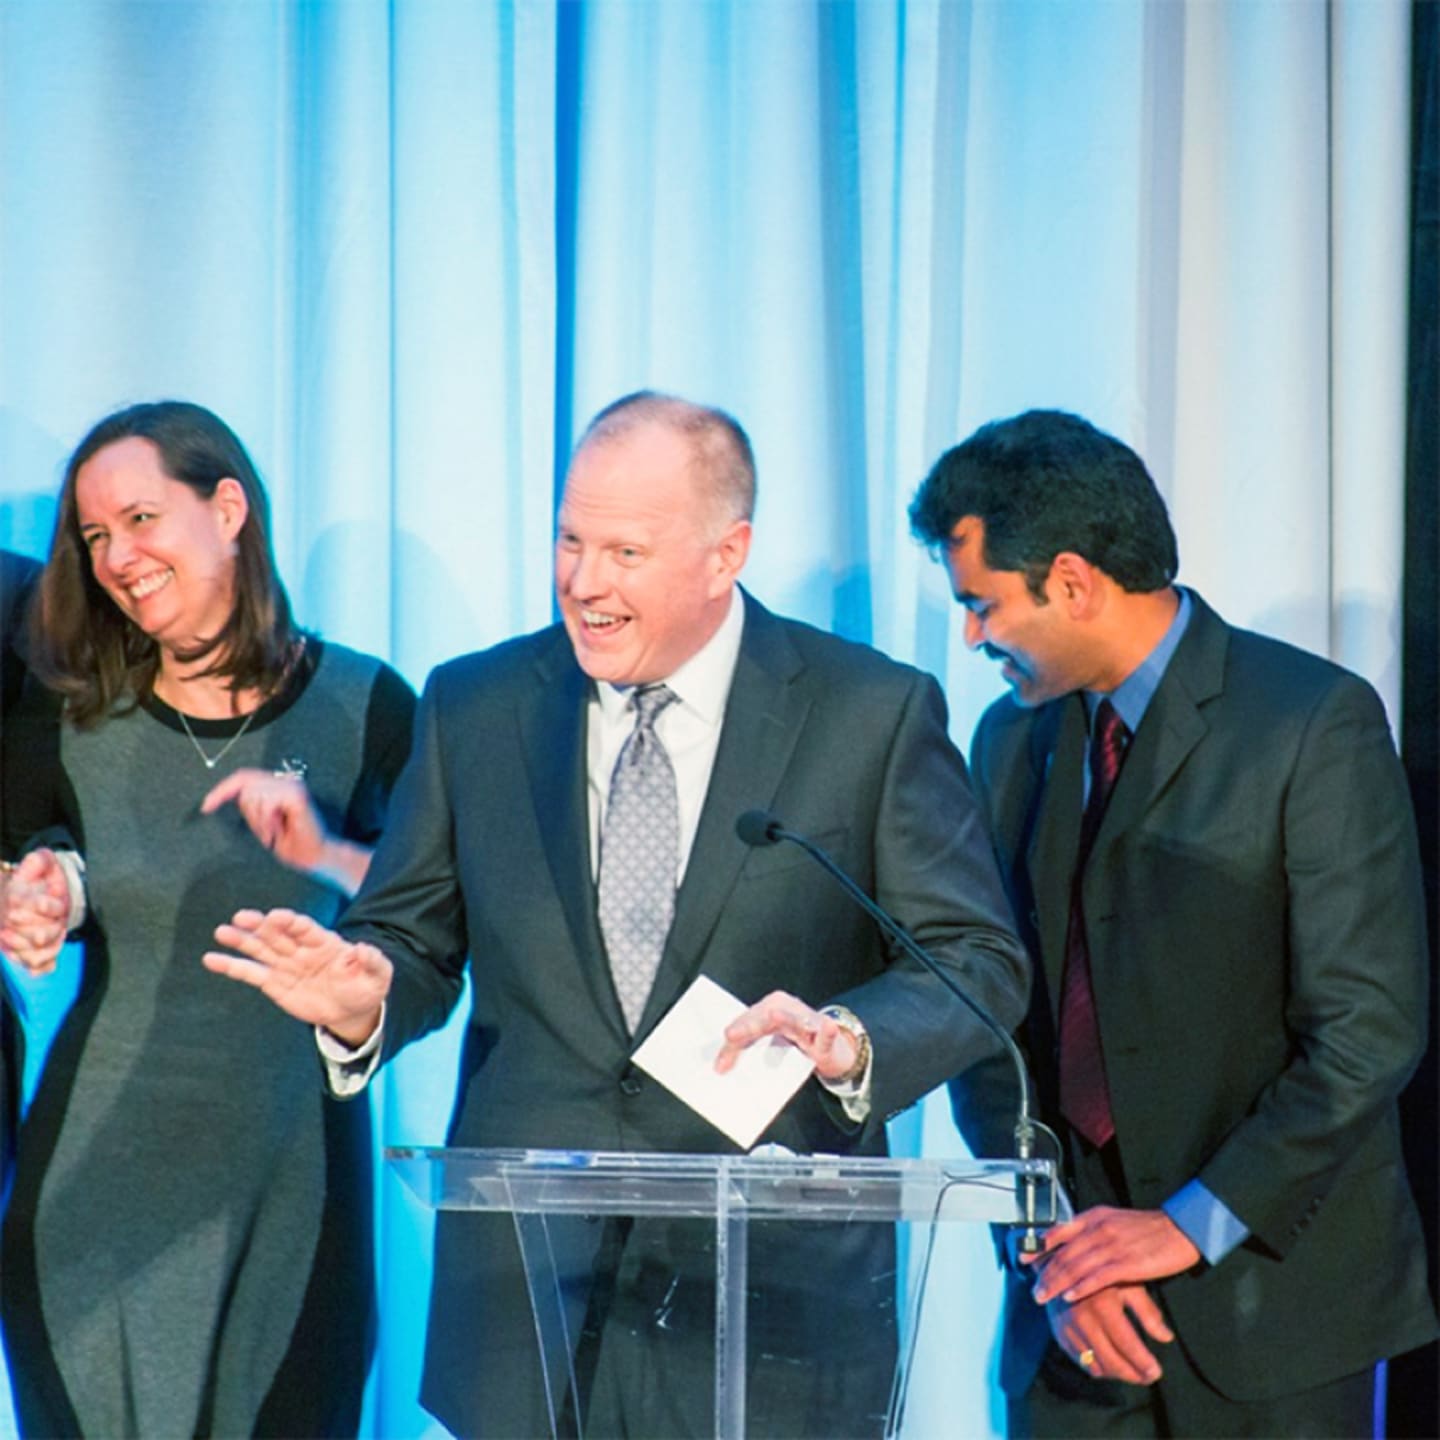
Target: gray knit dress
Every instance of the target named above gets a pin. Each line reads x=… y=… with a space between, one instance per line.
x=188 y=1247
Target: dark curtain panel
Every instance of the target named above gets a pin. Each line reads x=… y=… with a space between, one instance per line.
x=1415 y=1378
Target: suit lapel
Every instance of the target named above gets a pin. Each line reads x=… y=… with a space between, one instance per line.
x=553 y=736
x=1056 y=836
x=1172 y=727
x=764 y=715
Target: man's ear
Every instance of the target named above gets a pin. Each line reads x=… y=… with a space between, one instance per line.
x=1076 y=584
x=731 y=552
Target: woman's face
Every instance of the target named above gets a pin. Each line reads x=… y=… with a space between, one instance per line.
x=163 y=553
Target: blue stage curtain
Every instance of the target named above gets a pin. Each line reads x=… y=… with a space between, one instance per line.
x=407 y=248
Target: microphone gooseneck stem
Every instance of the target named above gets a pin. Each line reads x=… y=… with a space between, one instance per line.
x=756 y=828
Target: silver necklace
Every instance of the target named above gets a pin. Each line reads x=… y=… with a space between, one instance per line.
x=211 y=761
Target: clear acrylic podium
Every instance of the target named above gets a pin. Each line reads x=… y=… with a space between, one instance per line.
x=732 y=1193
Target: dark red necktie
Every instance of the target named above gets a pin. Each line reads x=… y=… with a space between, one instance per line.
x=1084 y=1093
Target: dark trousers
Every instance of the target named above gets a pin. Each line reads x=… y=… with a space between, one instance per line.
x=1065 y=1403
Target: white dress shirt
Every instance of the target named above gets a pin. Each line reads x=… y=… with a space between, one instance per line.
x=689 y=729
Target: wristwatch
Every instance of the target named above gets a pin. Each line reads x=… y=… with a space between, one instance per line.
x=850 y=1022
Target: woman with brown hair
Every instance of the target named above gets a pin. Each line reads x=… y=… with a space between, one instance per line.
x=188 y=1246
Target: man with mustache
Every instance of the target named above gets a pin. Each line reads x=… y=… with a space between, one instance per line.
x=1209 y=845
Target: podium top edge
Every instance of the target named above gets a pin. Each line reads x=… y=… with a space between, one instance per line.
x=709 y=1163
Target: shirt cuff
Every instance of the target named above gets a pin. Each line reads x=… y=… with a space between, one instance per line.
x=854 y=1097
x=72 y=867
x=1210 y=1225
x=348 y=1069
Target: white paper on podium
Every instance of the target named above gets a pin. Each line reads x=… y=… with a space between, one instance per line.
x=680 y=1053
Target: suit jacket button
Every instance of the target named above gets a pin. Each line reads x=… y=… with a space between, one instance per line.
x=631 y=1082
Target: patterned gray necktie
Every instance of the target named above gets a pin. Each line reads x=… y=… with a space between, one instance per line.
x=639 y=856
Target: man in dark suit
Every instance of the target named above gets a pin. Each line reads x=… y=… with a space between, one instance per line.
x=498 y=855
x=17 y=577
x=1225 y=910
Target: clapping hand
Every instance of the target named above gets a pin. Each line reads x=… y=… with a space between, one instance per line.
x=277 y=807
x=34 y=911
x=308 y=971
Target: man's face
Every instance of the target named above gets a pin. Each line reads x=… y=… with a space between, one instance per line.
x=1038 y=645
x=643 y=568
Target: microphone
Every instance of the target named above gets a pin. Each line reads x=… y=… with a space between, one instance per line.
x=758 y=828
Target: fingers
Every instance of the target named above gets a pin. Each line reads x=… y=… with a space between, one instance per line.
x=248 y=972
x=267 y=943
x=761 y=1019
x=1099 y=1335
x=273 y=813
x=784 y=1017
x=1070 y=1263
x=271 y=935
x=1142 y=1305
x=1108 y=1246
x=41 y=868
x=278 y=811
x=1058 y=1235
x=1122 y=1354
x=27 y=905
x=1075 y=1235
x=34 y=912
x=230 y=788
x=245 y=781
x=35 y=956
x=308 y=971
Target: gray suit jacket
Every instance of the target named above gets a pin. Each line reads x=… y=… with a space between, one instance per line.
x=1256 y=930
x=485 y=862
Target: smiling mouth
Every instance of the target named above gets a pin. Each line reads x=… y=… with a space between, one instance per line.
x=147 y=586
x=597 y=623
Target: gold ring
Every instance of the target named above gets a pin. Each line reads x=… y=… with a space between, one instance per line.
x=1086 y=1358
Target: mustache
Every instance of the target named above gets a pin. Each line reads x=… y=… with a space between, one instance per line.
x=991 y=653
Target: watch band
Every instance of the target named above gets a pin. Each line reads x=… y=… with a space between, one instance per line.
x=850 y=1022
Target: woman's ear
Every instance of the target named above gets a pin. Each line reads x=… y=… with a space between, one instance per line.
x=232 y=505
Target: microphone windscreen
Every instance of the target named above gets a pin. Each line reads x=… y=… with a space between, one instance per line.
x=756 y=827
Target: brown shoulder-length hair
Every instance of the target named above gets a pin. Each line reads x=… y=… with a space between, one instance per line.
x=83 y=644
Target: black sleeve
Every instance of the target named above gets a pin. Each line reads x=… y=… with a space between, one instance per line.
x=389 y=720
x=17 y=582
x=37 y=804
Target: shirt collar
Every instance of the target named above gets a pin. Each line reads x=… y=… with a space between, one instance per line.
x=702 y=683
x=1131 y=698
